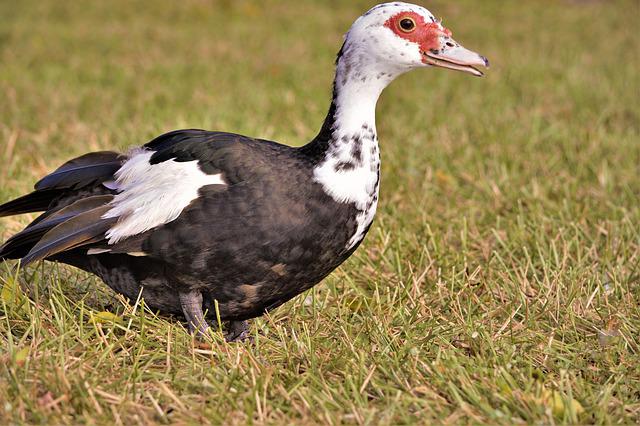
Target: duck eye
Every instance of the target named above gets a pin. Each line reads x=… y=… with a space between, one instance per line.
x=407 y=25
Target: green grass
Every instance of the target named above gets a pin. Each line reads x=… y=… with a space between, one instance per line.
x=500 y=282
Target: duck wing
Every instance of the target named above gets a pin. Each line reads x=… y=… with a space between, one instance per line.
x=84 y=171
x=127 y=198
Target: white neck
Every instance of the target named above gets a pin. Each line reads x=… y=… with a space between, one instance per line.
x=358 y=85
x=350 y=169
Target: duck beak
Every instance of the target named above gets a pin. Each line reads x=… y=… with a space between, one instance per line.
x=455 y=57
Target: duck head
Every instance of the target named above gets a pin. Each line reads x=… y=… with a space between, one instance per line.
x=397 y=37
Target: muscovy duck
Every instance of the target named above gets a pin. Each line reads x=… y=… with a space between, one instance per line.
x=200 y=221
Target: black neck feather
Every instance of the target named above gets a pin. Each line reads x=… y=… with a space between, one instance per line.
x=317 y=148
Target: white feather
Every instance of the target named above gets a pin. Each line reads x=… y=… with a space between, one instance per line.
x=97 y=251
x=151 y=195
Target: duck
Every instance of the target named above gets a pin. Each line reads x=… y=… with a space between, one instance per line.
x=210 y=224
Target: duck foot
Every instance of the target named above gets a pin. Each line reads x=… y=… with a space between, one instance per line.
x=237 y=331
x=191 y=304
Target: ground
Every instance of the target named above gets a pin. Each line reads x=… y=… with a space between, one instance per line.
x=500 y=282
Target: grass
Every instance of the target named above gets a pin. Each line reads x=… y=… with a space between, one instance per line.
x=500 y=282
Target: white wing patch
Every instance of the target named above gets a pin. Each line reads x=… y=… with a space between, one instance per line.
x=153 y=194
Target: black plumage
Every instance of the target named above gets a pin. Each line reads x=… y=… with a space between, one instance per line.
x=82 y=171
x=269 y=234
x=36 y=201
x=20 y=244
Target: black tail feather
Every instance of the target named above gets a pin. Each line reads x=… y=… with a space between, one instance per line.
x=20 y=244
x=75 y=208
x=73 y=201
x=85 y=228
x=36 y=201
x=77 y=173
x=81 y=171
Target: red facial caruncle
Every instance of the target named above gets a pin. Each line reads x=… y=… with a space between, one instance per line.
x=412 y=27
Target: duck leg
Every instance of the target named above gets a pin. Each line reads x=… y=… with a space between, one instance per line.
x=191 y=303
x=237 y=331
